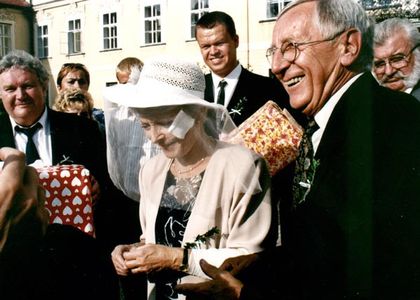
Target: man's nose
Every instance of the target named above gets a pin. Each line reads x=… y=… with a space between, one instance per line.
x=20 y=93
x=214 y=49
x=388 y=68
x=279 y=65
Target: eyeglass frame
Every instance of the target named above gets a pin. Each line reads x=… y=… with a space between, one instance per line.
x=270 y=51
x=404 y=59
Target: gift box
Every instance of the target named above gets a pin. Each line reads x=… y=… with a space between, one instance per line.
x=271 y=132
x=68 y=195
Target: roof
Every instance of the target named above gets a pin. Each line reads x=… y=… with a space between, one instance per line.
x=19 y=3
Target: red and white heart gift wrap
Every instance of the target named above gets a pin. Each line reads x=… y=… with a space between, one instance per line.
x=68 y=195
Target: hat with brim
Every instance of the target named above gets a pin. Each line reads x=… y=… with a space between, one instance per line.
x=164 y=81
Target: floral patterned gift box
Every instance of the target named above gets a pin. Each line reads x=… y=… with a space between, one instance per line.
x=68 y=195
x=272 y=133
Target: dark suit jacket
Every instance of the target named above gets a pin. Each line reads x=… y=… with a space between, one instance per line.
x=253 y=91
x=357 y=235
x=416 y=91
x=72 y=137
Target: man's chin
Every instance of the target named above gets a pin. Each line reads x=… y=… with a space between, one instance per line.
x=395 y=85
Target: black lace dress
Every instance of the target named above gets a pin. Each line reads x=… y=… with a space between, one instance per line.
x=175 y=208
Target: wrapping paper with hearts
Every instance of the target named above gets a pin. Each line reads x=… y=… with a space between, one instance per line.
x=68 y=195
x=271 y=132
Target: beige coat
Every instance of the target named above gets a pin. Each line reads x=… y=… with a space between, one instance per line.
x=234 y=196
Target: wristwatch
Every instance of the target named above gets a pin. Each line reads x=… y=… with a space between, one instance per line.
x=184 y=266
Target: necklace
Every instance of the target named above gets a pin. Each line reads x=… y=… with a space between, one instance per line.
x=188 y=169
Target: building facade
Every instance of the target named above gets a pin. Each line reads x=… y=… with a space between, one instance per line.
x=16 y=21
x=99 y=33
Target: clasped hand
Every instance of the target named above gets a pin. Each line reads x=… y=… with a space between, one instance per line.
x=145 y=258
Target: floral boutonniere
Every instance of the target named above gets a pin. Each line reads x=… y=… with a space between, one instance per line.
x=308 y=179
x=239 y=107
x=202 y=238
x=66 y=160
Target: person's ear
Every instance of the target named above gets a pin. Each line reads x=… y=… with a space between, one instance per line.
x=236 y=39
x=352 y=43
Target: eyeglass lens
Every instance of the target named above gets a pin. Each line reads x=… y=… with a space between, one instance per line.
x=396 y=61
x=288 y=51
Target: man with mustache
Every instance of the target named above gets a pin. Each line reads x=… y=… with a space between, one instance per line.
x=396 y=63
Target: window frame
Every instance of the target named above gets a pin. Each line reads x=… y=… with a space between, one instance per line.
x=152 y=35
x=42 y=40
x=200 y=11
x=111 y=41
x=74 y=36
x=280 y=6
x=10 y=39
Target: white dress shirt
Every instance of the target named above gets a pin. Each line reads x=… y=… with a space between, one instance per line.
x=231 y=79
x=41 y=138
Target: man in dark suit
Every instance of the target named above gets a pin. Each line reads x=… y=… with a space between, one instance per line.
x=244 y=92
x=63 y=138
x=350 y=222
x=396 y=63
x=64 y=254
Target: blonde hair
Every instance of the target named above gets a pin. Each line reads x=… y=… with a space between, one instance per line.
x=131 y=66
x=74 y=99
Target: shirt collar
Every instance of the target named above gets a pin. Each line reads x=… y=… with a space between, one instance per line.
x=233 y=76
x=322 y=117
x=42 y=120
x=409 y=90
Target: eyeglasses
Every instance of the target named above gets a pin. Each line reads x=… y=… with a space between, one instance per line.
x=396 y=61
x=290 y=50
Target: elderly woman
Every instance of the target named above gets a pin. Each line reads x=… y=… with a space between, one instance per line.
x=196 y=184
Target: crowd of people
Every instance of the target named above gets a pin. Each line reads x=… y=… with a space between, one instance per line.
x=180 y=213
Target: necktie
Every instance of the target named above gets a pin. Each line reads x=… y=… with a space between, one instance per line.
x=31 y=151
x=221 y=94
x=305 y=165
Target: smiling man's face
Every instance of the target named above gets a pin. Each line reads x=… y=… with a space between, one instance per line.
x=23 y=95
x=314 y=74
x=218 y=49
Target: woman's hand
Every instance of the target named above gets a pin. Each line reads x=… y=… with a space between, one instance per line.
x=151 y=258
x=118 y=259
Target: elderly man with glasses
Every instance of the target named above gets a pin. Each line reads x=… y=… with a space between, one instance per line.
x=396 y=63
x=350 y=220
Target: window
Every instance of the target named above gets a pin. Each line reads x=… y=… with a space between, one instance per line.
x=42 y=38
x=110 y=34
x=5 y=38
x=275 y=6
x=198 y=8
x=152 y=24
x=74 y=37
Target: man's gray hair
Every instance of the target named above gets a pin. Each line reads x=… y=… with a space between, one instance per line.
x=391 y=27
x=335 y=16
x=20 y=59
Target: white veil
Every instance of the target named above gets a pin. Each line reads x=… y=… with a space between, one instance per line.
x=127 y=146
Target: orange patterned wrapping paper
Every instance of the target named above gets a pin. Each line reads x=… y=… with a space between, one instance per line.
x=272 y=133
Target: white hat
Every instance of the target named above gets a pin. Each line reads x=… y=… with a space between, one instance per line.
x=163 y=81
